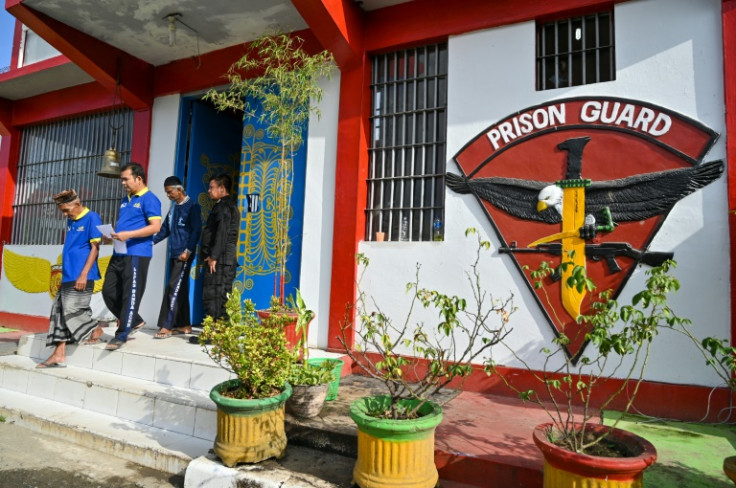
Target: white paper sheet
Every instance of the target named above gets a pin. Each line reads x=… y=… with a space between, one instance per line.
x=118 y=246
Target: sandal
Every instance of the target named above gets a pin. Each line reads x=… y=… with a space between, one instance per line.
x=182 y=330
x=89 y=342
x=114 y=344
x=46 y=364
x=136 y=328
x=163 y=334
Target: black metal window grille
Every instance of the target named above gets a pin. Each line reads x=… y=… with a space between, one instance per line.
x=576 y=51
x=406 y=185
x=62 y=155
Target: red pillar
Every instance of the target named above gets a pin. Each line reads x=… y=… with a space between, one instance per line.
x=141 y=137
x=729 y=88
x=350 y=194
x=9 y=152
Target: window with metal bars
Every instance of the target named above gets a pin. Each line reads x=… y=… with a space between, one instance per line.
x=62 y=155
x=406 y=185
x=576 y=51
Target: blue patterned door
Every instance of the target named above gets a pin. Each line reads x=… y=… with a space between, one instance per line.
x=259 y=166
x=219 y=142
x=214 y=147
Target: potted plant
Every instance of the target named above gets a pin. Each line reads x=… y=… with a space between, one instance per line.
x=278 y=80
x=309 y=381
x=310 y=384
x=396 y=430
x=293 y=317
x=250 y=407
x=578 y=450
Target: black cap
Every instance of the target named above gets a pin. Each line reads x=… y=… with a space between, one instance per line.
x=172 y=181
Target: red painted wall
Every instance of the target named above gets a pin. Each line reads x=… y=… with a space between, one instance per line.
x=729 y=88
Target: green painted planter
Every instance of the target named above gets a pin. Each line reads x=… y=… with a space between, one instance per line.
x=336 y=373
x=395 y=453
x=249 y=431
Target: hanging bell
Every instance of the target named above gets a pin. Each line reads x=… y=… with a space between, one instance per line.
x=110 y=164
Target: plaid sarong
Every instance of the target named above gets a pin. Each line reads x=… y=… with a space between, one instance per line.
x=71 y=316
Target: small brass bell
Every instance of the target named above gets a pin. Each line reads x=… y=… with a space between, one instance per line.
x=110 y=164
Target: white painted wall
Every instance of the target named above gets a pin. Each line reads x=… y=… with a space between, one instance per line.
x=319 y=200
x=161 y=157
x=162 y=151
x=675 y=62
x=15 y=300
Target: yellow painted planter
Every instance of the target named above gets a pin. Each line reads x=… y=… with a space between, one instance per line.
x=395 y=453
x=567 y=469
x=249 y=431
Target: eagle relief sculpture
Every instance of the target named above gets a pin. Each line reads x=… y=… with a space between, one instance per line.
x=598 y=220
x=38 y=275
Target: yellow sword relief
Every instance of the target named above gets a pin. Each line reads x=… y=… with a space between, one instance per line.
x=573 y=248
x=573 y=218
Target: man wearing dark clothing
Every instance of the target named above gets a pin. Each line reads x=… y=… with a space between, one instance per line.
x=182 y=226
x=219 y=247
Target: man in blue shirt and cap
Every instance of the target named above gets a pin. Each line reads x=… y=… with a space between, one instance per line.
x=71 y=316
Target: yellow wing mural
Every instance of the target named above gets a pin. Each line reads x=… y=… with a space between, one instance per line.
x=37 y=275
x=27 y=273
x=102 y=264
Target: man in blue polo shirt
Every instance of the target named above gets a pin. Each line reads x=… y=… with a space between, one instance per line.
x=182 y=226
x=125 y=280
x=71 y=316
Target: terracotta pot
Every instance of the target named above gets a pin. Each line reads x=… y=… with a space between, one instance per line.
x=395 y=453
x=729 y=467
x=249 y=431
x=289 y=325
x=567 y=469
x=306 y=401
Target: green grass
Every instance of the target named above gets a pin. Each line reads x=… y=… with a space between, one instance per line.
x=689 y=455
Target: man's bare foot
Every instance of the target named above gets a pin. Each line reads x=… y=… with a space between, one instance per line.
x=53 y=362
x=94 y=338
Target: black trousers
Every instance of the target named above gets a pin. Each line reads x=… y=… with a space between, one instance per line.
x=125 y=282
x=175 y=305
x=216 y=286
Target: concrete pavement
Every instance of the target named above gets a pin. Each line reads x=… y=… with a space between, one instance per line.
x=29 y=459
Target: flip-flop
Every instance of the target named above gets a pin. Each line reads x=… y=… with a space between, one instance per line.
x=89 y=342
x=181 y=330
x=114 y=344
x=137 y=328
x=163 y=335
x=50 y=365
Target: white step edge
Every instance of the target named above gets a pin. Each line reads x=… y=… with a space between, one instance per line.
x=172 y=361
x=180 y=410
x=148 y=446
x=208 y=472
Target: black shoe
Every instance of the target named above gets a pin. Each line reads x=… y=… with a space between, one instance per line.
x=195 y=340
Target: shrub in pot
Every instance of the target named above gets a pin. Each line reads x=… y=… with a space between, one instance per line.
x=309 y=381
x=578 y=450
x=250 y=407
x=396 y=430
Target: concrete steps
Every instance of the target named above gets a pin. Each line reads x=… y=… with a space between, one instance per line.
x=142 y=444
x=147 y=402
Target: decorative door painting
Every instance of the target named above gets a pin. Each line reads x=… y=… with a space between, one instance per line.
x=223 y=143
